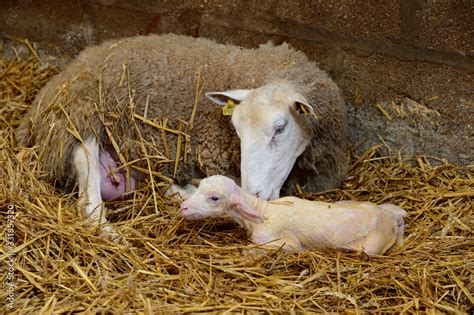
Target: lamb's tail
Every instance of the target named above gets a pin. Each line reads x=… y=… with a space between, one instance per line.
x=398 y=214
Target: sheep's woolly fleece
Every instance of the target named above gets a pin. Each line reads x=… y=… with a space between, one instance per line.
x=172 y=266
x=142 y=97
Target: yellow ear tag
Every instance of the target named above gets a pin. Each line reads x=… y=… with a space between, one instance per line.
x=228 y=108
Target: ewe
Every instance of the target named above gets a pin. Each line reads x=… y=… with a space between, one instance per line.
x=290 y=118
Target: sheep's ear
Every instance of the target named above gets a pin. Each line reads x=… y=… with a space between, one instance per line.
x=221 y=98
x=302 y=106
x=239 y=208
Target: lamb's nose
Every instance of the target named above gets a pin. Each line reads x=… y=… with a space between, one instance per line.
x=257 y=194
x=183 y=208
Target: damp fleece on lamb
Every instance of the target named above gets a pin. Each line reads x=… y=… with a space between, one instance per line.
x=107 y=88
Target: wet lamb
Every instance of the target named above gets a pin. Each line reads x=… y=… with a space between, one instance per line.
x=135 y=90
x=297 y=224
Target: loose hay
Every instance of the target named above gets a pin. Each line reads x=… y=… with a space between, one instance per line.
x=169 y=265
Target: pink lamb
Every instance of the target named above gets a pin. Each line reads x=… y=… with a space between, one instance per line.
x=297 y=224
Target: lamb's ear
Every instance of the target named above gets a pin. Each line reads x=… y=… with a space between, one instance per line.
x=239 y=208
x=302 y=106
x=221 y=98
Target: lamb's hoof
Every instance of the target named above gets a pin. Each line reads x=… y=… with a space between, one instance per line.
x=111 y=233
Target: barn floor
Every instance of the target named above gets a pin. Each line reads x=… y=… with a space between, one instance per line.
x=61 y=264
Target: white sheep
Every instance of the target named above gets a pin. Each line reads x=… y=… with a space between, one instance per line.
x=290 y=117
x=297 y=224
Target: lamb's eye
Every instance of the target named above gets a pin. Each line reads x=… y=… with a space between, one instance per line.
x=214 y=198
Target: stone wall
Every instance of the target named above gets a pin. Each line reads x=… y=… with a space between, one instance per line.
x=406 y=67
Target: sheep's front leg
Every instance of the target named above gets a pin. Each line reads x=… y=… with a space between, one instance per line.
x=86 y=162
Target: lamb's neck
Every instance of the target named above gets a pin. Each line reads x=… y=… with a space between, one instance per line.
x=259 y=205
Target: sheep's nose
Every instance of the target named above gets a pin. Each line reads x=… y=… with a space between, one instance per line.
x=183 y=208
x=257 y=194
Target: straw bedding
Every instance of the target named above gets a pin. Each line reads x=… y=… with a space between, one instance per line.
x=173 y=266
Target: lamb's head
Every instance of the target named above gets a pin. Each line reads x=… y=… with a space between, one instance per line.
x=218 y=196
x=273 y=133
x=210 y=199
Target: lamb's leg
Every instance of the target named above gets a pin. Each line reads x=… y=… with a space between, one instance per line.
x=269 y=243
x=377 y=243
x=86 y=162
x=287 y=240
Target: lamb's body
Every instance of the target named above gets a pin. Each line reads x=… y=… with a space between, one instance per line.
x=298 y=224
x=161 y=71
x=302 y=224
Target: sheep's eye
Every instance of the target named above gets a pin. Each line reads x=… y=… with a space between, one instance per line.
x=214 y=198
x=280 y=128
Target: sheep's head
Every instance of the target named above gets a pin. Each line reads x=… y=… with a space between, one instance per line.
x=218 y=196
x=273 y=133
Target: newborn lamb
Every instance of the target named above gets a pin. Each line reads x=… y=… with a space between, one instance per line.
x=297 y=224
